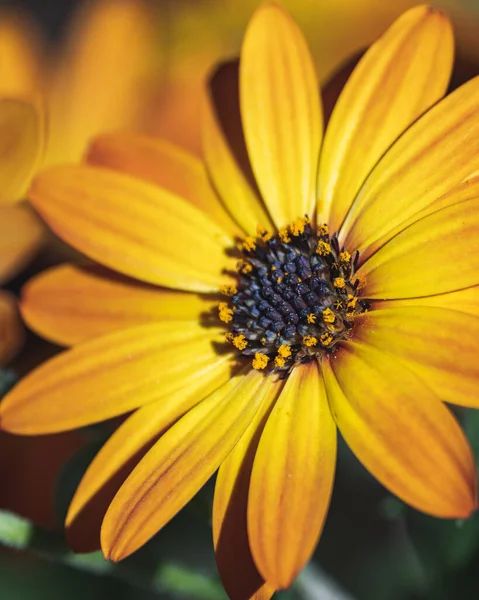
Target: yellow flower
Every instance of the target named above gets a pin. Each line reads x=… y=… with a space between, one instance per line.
x=405 y=333
x=20 y=231
x=93 y=82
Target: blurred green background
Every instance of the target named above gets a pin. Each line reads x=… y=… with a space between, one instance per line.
x=373 y=547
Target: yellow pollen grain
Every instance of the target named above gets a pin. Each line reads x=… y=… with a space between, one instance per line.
x=278 y=280
x=229 y=289
x=323 y=248
x=229 y=336
x=240 y=342
x=311 y=318
x=352 y=301
x=249 y=244
x=344 y=256
x=260 y=361
x=339 y=283
x=338 y=305
x=328 y=316
x=310 y=340
x=263 y=233
x=297 y=227
x=284 y=235
x=279 y=361
x=323 y=229
x=284 y=350
x=325 y=338
x=244 y=267
x=224 y=312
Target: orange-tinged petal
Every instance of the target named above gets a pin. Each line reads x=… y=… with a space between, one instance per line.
x=238 y=572
x=132 y=440
x=20 y=49
x=281 y=112
x=165 y=164
x=438 y=344
x=404 y=73
x=435 y=154
x=225 y=151
x=112 y=375
x=21 y=139
x=437 y=254
x=133 y=226
x=11 y=329
x=103 y=80
x=400 y=431
x=73 y=303
x=179 y=464
x=292 y=478
x=466 y=301
x=21 y=234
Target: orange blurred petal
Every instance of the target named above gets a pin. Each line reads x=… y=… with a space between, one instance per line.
x=404 y=73
x=12 y=333
x=435 y=154
x=21 y=234
x=73 y=303
x=292 y=478
x=280 y=108
x=21 y=144
x=438 y=344
x=133 y=226
x=238 y=572
x=165 y=164
x=112 y=375
x=225 y=151
x=20 y=51
x=400 y=431
x=180 y=463
x=103 y=80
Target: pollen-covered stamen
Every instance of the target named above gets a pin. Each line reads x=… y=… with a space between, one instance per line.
x=295 y=299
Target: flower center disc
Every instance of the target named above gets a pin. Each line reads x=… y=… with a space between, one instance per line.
x=296 y=297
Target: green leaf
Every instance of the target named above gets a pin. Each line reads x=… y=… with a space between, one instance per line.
x=7 y=380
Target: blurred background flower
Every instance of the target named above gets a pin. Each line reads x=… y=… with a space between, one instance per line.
x=141 y=64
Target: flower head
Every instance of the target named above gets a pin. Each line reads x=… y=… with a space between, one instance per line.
x=342 y=310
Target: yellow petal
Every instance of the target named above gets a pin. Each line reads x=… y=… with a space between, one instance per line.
x=102 y=81
x=20 y=50
x=400 y=431
x=179 y=464
x=435 y=154
x=112 y=375
x=280 y=108
x=165 y=164
x=438 y=344
x=73 y=303
x=292 y=478
x=11 y=328
x=225 y=151
x=238 y=572
x=130 y=442
x=404 y=73
x=132 y=226
x=466 y=301
x=437 y=254
x=21 y=235
x=21 y=139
